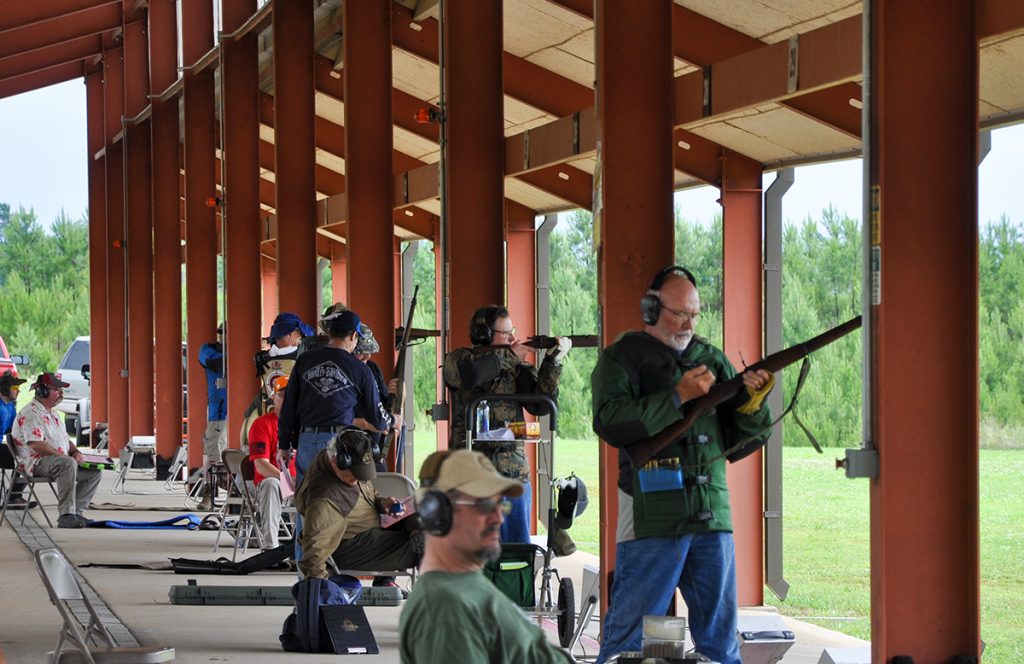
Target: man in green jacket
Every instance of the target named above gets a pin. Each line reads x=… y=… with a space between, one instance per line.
x=454 y=614
x=674 y=523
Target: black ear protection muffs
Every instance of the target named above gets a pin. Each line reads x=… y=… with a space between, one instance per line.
x=42 y=391
x=345 y=453
x=480 y=332
x=650 y=303
x=433 y=505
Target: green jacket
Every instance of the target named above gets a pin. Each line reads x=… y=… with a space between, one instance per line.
x=470 y=372
x=634 y=398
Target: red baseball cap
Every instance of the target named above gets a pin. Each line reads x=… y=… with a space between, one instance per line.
x=49 y=380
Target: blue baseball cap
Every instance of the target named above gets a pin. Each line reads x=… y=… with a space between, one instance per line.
x=286 y=323
x=344 y=322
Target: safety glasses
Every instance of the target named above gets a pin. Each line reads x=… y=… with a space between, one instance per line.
x=487 y=506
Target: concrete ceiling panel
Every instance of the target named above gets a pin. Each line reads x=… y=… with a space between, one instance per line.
x=534 y=25
x=532 y=197
x=330 y=108
x=520 y=116
x=415 y=146
x=1000 y=86
x=415 y=76
x=774 y=20
x=566 y=65
x=331 y=161
x=433 y=206
x=586 y=164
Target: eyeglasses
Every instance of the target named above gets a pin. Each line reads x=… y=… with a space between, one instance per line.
x=487 y=506
x=510 y=332
x=683 y=316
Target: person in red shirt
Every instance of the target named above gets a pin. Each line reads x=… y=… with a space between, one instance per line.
x=267 y=474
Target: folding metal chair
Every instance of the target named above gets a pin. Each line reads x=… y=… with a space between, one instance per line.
x=396 y=485
x=63 y=587
x=177 y=468
x=245 y=526
x=17 y=470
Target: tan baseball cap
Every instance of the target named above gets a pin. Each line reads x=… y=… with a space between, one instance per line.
x=467 y=472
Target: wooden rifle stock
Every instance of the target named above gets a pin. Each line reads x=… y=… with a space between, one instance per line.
x=399 y=404
x=642 y=451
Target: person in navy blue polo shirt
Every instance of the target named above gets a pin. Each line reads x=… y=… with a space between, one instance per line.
x=328 y=384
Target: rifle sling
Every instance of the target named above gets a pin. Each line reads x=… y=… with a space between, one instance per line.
x=805 y=368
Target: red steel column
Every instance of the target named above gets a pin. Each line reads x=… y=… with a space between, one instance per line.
x=117 y=366
x=97 y=247
x=370 y=230
x=268 y=288
x=475 y=187
x=200 y=220
x=633 y=206
x=295 y=157
x=339 y=273
x=925 y=575
x=521 y=240
x=163 y=63
x=742 y=290
x=241 y=210
x=139 y=215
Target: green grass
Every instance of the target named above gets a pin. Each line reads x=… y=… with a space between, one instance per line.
x=827 y=550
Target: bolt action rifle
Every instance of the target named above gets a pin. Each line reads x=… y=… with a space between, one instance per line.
x=642 y=451
x=578 y=341
x=399 y=403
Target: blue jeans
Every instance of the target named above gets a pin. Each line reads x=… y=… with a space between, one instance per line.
x=516 y=527
x=310 y=444
x=704 y=569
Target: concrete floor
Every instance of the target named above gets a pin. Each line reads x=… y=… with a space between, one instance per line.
x=29 y=623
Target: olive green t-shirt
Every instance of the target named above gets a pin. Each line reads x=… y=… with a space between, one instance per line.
x=464 y=618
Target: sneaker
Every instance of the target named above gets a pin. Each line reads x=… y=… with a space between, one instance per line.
x=70 y=521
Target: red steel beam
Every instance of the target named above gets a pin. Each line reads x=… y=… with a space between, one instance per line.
x=40 y=79
x=58 y=29
x=295 y=147
x=167 y=233
x=475 y=186
x=97 y=247
x=117 y=366
x=368 y=138
x=138 y=217
x=51 y=56
x=200 y=225
x=636 y=222
x=925 y=561
x=742 y=334
x=21 y=14
x=241 y=209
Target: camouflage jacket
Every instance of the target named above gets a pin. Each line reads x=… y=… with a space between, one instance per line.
x=469 y=372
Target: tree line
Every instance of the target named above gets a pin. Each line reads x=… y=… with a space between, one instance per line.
x=44 y=280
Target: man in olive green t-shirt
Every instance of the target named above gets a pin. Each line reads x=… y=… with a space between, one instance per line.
x=454 y=614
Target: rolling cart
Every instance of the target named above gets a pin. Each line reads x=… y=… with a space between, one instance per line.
x=563 y=608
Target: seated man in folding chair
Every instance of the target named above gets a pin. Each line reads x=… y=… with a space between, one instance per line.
x=341 y=514
x=45 y=451
x=267 y=475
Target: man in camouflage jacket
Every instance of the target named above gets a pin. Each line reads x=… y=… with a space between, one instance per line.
x=496 y=363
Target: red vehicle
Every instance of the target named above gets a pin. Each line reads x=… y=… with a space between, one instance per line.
x=10 y=362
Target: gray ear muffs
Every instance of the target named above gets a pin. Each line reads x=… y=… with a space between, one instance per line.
x=650 y=303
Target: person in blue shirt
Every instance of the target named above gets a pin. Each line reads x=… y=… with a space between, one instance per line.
x=9 y=388
x=328 y=385
x=215 y=438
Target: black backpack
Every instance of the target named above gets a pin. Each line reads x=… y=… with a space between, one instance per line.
x=305 y=630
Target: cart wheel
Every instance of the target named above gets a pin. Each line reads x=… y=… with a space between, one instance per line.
x=566 y=612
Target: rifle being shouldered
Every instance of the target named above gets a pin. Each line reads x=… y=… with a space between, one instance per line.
x=578 y=341
x=641 y=451
x=399 y=403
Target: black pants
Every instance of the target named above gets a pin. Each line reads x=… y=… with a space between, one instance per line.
x=379 y=549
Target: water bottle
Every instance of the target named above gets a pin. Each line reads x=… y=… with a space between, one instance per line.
x=483 y=419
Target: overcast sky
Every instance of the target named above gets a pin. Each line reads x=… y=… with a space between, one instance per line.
x=43 y=165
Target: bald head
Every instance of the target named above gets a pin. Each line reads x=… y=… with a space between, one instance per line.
x=680 y=305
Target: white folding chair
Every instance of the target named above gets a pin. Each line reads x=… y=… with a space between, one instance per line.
x=396 y=485
x=18 y=472
x=244 y=526
x=63 y=587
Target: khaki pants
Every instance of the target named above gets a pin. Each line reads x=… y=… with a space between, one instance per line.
x=75 y=486
x=268 y=496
